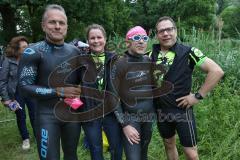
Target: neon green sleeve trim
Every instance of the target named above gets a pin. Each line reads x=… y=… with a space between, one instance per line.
x=193 y=59
x=149 y=53
x=199 y=63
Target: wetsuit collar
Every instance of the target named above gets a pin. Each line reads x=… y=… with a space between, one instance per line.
x=108 y=55
x=173 y=48
x=134 y=56
x=13 y=60
x=98 y=54
x=52 y=44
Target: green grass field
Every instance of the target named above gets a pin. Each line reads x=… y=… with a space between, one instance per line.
x=218 y=116
x=218 y=121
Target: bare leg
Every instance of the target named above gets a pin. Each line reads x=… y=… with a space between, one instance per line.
x=191 y=153
x=170 y=148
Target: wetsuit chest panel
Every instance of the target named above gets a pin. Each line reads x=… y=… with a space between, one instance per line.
x=136 y=80
x=54 y=57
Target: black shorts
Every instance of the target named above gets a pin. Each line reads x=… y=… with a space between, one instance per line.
x=180 y=120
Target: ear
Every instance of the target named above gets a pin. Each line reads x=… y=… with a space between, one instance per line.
x=128 y=44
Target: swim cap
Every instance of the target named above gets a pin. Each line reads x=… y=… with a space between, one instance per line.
x=137 y=30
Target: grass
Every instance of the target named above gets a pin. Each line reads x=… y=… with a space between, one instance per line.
x=218 y=116
x=10 y=140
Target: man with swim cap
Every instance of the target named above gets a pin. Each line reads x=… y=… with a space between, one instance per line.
x=131 y=76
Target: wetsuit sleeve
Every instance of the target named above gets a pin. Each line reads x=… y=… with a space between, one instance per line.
x=4 y=72
x=27 y=76
x=196 y=57
x=116 y=78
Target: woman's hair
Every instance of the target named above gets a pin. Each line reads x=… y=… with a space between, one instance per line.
x=95 y=26
x=14 y=45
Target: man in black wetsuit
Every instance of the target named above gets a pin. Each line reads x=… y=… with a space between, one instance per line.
x=175 y=109
x=38 y=63
x=131 y=77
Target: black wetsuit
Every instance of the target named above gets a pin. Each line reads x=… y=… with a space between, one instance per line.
x=132 y=79
x=43 y=67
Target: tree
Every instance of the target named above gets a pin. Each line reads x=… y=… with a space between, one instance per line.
x=8 y=22
x=144 y=13
x=24 y=17
x=198 y=13
x=230 y=16
x=16 y=18
x=112 y=14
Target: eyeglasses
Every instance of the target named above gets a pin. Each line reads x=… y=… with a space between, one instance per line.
x=168 y=30
x=139 y=37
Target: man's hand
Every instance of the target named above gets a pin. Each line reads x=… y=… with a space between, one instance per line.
x=68 y=92
x=131 y=134
x=187 y=101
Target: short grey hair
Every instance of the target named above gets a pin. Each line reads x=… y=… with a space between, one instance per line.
x=52 y=7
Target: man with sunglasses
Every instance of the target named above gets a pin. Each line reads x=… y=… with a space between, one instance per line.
x=131 y=77
x=174 y=109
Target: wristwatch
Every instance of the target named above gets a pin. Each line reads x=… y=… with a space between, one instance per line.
x=198 y=96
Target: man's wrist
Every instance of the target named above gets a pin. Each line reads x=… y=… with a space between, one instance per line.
x=198 y=96
x=124 y=124
x=60 y=91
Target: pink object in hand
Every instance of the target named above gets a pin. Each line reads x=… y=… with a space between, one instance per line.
x=74 y=103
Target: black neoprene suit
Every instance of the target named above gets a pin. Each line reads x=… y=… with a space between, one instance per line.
x=136 y=71
x=36 y=79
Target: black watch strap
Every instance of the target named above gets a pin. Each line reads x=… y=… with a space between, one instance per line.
x=198 y=96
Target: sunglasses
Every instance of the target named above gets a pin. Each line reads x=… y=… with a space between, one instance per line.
x=139 y=37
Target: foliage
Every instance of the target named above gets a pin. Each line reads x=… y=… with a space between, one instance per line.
x=112 y=14
x=117 y=16
x=145 y=13
x=231 y=27
x=198 y=13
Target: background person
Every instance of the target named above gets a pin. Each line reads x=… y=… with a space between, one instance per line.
x=179 y=61
x=39 y=61
x=8 y=85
